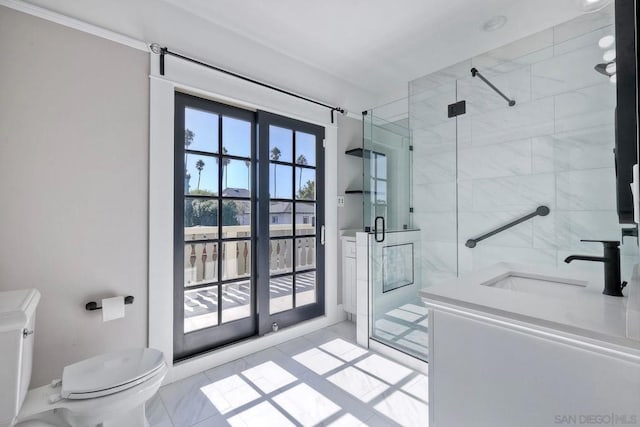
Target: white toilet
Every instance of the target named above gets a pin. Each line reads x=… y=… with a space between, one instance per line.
x=108 y=390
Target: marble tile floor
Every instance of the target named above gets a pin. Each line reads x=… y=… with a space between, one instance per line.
x=405 y=328
x=320 y=379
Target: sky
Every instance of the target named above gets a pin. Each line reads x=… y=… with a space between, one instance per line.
x=236 y=136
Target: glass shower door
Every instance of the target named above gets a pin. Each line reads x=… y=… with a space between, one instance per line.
x=396 y=316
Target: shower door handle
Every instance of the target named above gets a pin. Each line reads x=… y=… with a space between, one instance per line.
x=376 y=229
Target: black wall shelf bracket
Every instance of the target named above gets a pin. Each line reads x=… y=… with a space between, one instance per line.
x=163 y=51
x=540 y=211
x=476 y=73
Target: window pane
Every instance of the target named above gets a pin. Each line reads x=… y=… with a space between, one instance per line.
x=236 y=137
x=201 y=130
x=236 y=218
x=280 y=256
x=280 y=181
x=306 y=183
x=305 y=219
x=305 y=288
x=236 y=178
x=200 y=263
x=201 y=177
x=381 y=166
x=280 y=294
x=200 y=308
x=280 y=144
x=201 y=213
x=305 y=253
x=280 y=219
x=236 y=260
x=236 y=301
x=305 y=149
x=381 y=192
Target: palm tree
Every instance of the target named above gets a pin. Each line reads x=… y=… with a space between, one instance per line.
x=247 y=163
x=225 y=163
x=188 y=137
x=301 y=160
x=199 y=166
x=275 y=155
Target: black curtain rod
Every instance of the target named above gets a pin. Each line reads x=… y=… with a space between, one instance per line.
x=162 y=51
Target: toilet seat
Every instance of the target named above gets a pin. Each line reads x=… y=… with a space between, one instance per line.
x=91 y=411
x=110 y=373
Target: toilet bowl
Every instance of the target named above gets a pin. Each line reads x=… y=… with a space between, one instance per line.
x=108 y=390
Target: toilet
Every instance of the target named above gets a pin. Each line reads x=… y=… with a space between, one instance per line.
x=108 y=390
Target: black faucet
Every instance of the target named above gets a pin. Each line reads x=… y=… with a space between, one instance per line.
x=612 y=284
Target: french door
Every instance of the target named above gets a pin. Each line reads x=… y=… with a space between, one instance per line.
x=248 y=248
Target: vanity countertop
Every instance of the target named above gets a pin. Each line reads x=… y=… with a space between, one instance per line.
x=587 y=313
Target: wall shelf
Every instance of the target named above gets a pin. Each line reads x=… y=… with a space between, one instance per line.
x=357 y=152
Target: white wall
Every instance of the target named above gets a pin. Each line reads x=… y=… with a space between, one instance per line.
x=73 y=177
x=496 y=163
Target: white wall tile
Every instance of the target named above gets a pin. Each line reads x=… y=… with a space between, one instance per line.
x=592 y=189
x=519 y=193
x=493 y=161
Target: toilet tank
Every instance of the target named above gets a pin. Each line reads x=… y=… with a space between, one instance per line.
x=17 y=321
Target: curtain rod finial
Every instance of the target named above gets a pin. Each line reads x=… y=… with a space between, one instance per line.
x=155 y=48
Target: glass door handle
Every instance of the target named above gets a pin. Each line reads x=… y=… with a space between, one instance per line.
x=322 y=235
x=376 y=229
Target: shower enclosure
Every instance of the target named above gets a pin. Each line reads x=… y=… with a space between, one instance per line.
x=397 y=318
x=504 y=157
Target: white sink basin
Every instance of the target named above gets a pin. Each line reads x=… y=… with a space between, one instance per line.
x=539 y=285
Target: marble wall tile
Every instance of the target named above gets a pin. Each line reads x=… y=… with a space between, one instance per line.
x=436 y=168
x=586 y=108
x=481 y=98
x=485 y=256
x=583 y=24
x=513 y=123
x=519 y=193
x=525 y=51
x=584 y=40
x=576 y=150
x=592 y=189
x=475 y=224
x=439 y=197
x=493 y=161
x=567 y=72
x=572 y=226
x=437 y=226
x=436 y=139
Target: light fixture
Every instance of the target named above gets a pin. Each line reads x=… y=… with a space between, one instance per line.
x=494 y=23
x=606 y=42
x=589 y=6
x=611 y=68
x=609 y=55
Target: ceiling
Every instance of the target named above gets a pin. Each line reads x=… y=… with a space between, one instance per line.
x=354 y=53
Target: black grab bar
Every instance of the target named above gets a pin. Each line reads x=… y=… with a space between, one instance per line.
x=540 y=211
x=476 y=73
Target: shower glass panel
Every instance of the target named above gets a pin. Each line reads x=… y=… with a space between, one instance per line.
x=397 y=318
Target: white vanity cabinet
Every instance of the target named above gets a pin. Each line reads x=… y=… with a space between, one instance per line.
x=493 y=373
x=349 y=274
x=504 y=357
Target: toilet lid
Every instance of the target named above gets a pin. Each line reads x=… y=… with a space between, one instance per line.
x=109 y=373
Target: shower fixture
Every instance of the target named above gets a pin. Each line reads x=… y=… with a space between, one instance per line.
x=476 y=73
x=608 y=68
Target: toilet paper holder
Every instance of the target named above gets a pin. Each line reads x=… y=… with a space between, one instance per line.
x=92 y=305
